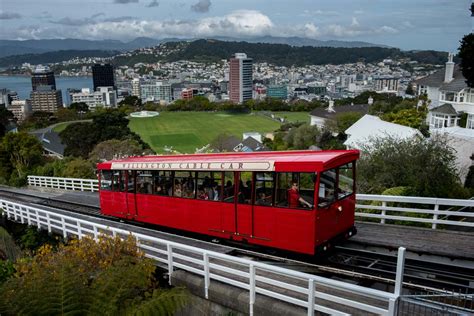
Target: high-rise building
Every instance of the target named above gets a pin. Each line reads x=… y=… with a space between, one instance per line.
x=46 y=101
x=277 y=92
x=240 y=78
x=43 y=79
x=156 y=91
x=136 y=88
x=103 y=97
x=103 y=76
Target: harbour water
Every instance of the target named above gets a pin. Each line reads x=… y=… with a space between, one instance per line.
x=22 y=84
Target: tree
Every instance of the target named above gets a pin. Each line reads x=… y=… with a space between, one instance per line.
x=79 y=139
x=426 y=166
x=24 y=152
x=408 y=117
x=79 y=107
x=110 y=277
x=343 y=121
x=79 y=168
x=302 y=137
x=114 y=148
x=5 y=118
x=466 y=53
x=219 y=143
x=409 y=89
x=131 y=100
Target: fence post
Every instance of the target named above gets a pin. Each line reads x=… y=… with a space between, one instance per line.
x=63 y=223
x=206 y=275
x=382 y=220
x=310 y=297
x=252 y=287
x=48 y=221
x=79 y=230
x=170 y=262
x=400 y=271
x=435 y=216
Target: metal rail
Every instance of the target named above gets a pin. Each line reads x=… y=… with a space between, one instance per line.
x=385 y=208
x=301 y=289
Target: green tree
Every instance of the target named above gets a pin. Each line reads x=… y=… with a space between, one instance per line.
x=466 y=53
x=114 y=148
x=219 y=143
x=343 y=121
x=426 y=166
x=110 y=277
x=79 y=139
x=131 y=100
x=24 y=152
x=302 y=137
x=79 y=107
x=6 y=117
x=408 y=117
x=79 y=168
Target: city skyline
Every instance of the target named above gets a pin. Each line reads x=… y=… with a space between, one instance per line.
x=424 y=24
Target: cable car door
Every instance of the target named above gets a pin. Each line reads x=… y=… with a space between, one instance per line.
x=131 y=197
x=243 y=206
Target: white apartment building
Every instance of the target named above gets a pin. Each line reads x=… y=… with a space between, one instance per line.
x=136 y=87
x=104 y=96
x=156 y=92
x=21 y=109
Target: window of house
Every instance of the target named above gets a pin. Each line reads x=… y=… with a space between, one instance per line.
x=470 y=121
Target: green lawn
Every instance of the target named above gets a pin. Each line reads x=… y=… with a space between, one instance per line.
x=61 y=127
x=186 y=131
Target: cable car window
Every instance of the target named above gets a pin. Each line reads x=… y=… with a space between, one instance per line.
x=144 y=182
x=106 y=180
x=131 y=181
x=123 y=181
x=264 y=187
x=163 y=181
x=209 y=186
x=245 y=188
x=184 y=184
x=327 y=186
x=306 y=184
x=284 y=180
x=229 y=189
x=346 y=180
x=116 y=175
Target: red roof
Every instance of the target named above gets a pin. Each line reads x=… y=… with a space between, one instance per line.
x=259 y=161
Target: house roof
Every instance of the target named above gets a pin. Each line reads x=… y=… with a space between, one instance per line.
x=50 y=140
x=324 y=113
x=253 y=144
x=436 y=79
x=445 y=108
x=369 y=126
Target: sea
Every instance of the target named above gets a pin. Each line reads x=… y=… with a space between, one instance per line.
x=22 y=84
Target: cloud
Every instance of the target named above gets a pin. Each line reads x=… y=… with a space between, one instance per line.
x=359 y=12
x=318 y=12
x=240 y=23
x=125 y=1
x=9 y=15
x=119 y=19
x=73 y=22
x=153 y=4
x=97 y=15
x=201 y=6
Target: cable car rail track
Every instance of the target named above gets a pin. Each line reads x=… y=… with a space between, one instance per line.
x=361 y=265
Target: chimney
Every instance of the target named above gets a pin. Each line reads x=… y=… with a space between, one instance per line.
x=448 y=75
x=370 y=101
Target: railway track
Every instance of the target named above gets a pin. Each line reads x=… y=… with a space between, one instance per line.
x=365 y=267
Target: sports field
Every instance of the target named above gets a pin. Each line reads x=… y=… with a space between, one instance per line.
x=186 y=131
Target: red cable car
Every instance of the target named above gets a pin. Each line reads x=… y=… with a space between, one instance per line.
x=296 y=200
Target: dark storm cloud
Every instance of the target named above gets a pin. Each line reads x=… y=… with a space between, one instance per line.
x=125 y=1
x=9 y=15
x=201 y=6
x=153 y=4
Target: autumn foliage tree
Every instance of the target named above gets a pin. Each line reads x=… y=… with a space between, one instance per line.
x=84 y=277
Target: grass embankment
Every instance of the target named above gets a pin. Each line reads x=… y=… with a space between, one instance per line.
x=186 y=131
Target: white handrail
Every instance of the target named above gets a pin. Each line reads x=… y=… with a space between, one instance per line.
x=303 y=290
x=75 y=184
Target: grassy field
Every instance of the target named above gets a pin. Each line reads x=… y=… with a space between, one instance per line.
x=186 y=131
x=61 y=127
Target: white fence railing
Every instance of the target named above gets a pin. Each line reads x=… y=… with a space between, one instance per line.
x=308 y=291
x=433 y=211
x=74 y=184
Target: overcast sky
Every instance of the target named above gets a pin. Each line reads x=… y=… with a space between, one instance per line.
x=407 y=24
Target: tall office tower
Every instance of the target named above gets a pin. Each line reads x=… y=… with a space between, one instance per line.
x=136 y=86
x=43 y=79
x=103 y=76
x=46 y=101
x=240 y=78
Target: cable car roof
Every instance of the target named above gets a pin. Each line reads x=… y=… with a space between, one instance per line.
x=280 y=161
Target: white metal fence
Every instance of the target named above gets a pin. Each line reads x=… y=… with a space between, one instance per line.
x=74 y=184
x=308 y=291
x=434 y=211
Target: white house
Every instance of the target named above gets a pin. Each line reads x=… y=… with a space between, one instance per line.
x=451 y=99
x=369 y=127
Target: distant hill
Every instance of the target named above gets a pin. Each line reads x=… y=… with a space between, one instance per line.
x=14 y=47
x=300 y=41
x=53 y=57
